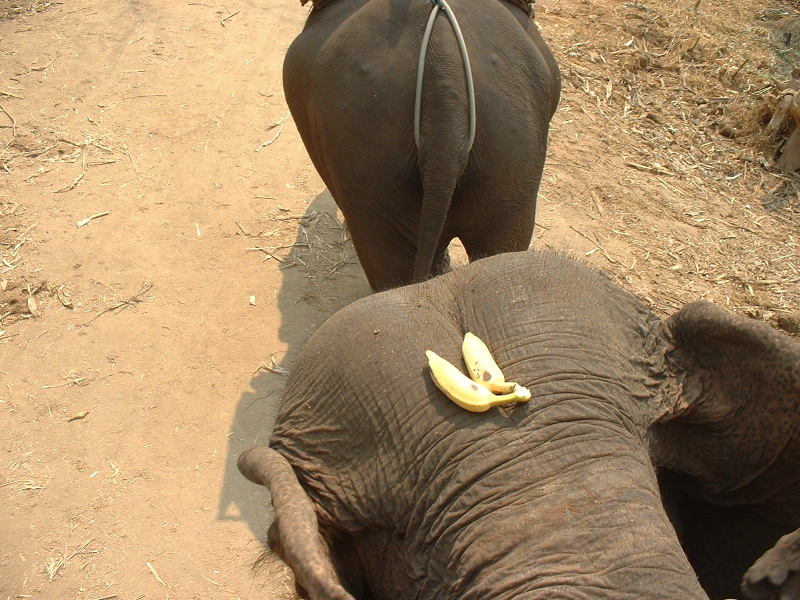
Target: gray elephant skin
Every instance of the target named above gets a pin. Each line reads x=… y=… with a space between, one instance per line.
x=385 y=489
x=350 y=81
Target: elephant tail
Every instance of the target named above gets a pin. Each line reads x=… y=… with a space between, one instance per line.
x=444 y=130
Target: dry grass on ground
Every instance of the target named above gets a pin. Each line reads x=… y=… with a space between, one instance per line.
x=672 y=101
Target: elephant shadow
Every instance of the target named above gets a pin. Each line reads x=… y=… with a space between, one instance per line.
x=321 y=274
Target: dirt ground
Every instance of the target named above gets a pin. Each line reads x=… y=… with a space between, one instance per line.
x=143 y=349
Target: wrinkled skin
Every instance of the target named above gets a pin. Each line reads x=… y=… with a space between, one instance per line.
x=776 y=575
x=385 y=489
x=350 y=80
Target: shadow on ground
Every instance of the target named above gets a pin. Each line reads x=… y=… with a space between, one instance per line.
x=320 y=275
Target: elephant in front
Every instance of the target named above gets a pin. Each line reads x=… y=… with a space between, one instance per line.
x=350 y=79
x=656 y=459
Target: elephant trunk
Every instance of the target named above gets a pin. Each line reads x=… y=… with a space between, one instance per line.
x=593 y=526
x=296 y=523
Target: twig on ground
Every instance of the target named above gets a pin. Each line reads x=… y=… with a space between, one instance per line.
x=611 y=260
x=267 y=252
x=741 y=66
x=137 y=297
x=145 y=96
x=39 y=173
x=597 y=203
x=75 y=381
x=655 y=170
x=130 y=158
x=47 y=65
x=153 y=571
x=13 y=121
x=83 y=222
x=54 y=564
x=272 y=366
x=79 y=415
x=75 y=183
x=279 y=125
x=230 y=16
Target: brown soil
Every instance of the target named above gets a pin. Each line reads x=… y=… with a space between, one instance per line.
x=142 y=350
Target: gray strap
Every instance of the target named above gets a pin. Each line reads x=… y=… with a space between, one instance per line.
x=437 y=4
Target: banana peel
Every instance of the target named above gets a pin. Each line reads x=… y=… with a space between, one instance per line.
x=481 y=366
x=468 y=394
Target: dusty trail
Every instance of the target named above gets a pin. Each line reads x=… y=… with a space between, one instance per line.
x=145 y=368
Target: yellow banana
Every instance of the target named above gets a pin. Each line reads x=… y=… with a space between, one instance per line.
x=481 y=366
x=465 y=392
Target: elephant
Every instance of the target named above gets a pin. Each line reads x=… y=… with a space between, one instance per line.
x=656 y=459
x=350 y=80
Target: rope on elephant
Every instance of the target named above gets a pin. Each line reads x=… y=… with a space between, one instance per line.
x=523 y=4
x=437 y=4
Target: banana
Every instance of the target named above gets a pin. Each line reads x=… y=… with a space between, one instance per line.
x=465 y=392
x=481 y=366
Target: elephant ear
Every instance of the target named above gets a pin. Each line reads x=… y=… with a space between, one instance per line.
x=728 y=453
x=735 y=428
x=296 y=524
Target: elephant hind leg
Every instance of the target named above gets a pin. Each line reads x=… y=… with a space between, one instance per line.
x=497 y=241
x=505 y=223
x=385 y=247
x=296 y=524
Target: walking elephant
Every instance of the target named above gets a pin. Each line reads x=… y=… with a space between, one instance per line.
x=350 y=80
x=385 y=489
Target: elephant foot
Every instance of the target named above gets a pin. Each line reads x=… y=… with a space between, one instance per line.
x=776 y=575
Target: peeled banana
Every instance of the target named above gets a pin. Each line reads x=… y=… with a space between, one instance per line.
x=465 y=392
x=481 y=366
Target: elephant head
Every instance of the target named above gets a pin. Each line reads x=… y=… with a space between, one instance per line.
x=384 y=488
